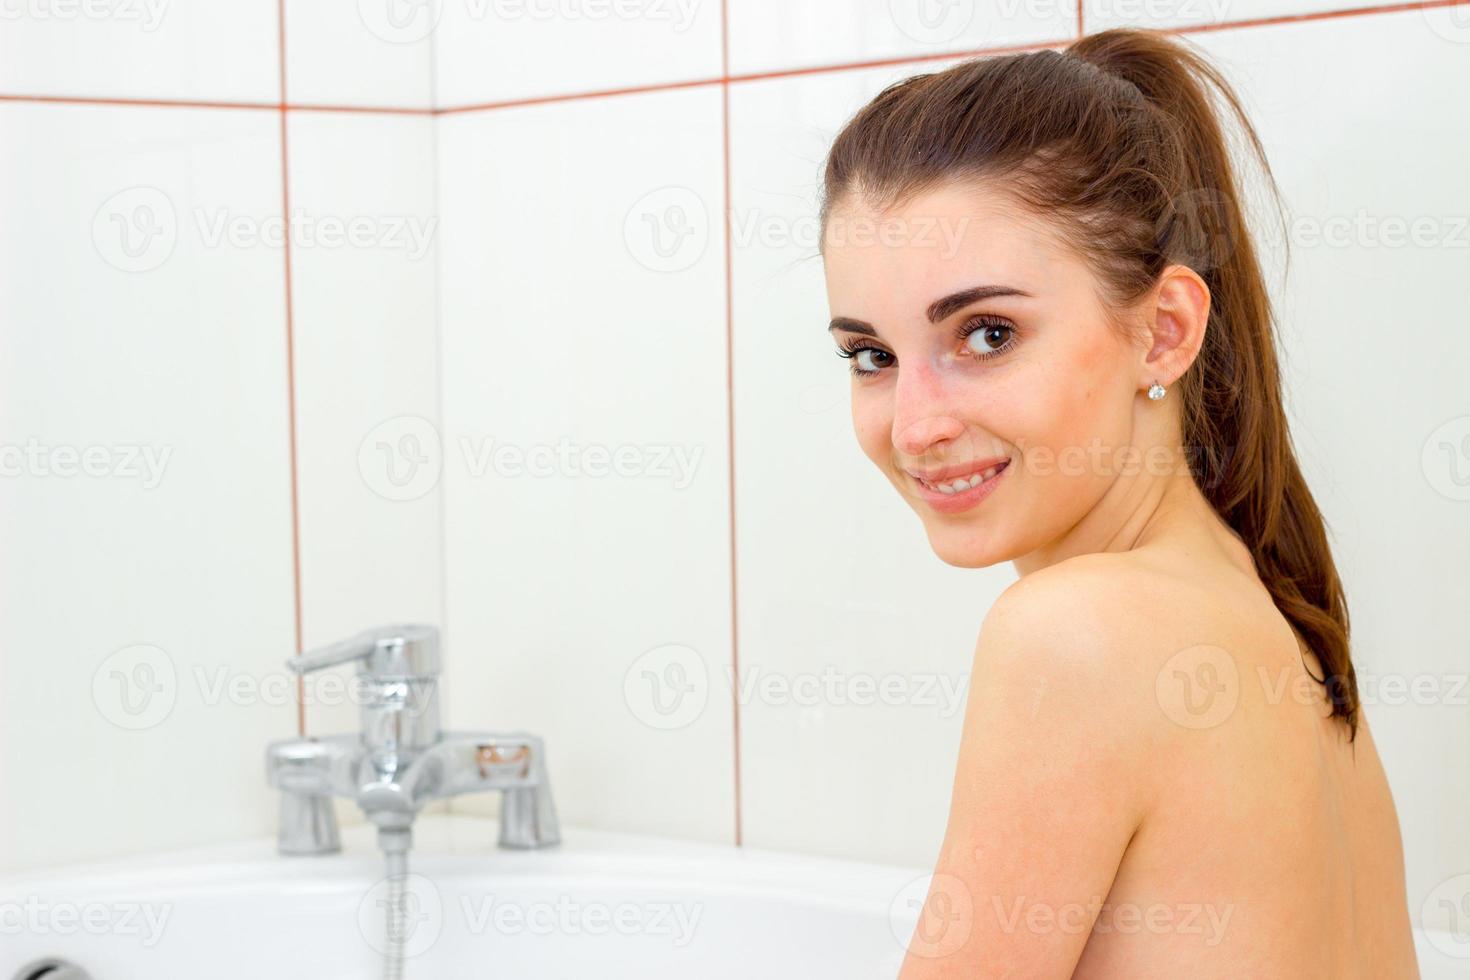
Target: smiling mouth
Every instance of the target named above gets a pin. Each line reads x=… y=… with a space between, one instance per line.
x=960 y=484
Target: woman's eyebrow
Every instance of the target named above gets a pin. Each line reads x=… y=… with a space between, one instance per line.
x=941 y=309
x=938 y=310
x=851 y=325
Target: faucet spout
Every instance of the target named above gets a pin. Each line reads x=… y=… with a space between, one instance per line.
x=401 y=759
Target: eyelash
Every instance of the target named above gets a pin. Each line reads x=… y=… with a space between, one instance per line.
x=851 y=348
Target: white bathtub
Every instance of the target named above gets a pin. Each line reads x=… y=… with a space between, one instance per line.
x=599 y=905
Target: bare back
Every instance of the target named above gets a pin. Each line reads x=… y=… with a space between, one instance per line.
x=1268 y=831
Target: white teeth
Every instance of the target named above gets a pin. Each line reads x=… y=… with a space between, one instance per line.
x=966 y=483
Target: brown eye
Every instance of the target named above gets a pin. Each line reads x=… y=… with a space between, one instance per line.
x=988 y=337
x=866 y=360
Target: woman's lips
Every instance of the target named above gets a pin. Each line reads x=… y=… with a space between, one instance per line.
x=952 y=501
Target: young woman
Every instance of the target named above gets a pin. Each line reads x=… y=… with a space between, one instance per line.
x=1063 y=356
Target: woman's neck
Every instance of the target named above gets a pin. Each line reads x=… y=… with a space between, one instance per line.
x=1136 y=511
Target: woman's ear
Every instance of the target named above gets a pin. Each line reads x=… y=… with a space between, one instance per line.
x=1176 y=317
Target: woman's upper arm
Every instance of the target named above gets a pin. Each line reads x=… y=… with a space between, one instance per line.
x=1048 y=789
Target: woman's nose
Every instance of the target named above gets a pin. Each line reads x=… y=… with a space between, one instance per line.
x=924 y=411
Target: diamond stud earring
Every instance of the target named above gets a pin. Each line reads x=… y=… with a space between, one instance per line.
x=1156 y=391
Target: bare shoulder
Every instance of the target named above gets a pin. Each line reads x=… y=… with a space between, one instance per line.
x=1089 y=612
x=1078 y=645
x=1153 y=644
x=1089 y=577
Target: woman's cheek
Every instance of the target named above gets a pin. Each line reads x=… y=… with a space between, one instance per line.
x=871 y=425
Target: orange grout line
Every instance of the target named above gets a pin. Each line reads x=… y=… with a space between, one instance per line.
x=578 y=96
x=381 y=110
x=205 y=104
x=290 y=362
x=730 y=401
x=725 y=77
x=147 y=103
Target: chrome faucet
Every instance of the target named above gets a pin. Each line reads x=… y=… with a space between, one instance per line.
x=401 y=760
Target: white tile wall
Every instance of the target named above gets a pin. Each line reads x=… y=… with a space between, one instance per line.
x=573 y=294
x=364 y=259
x=152 y=49
x=1376 y=350
x=772 y=35
x=493 y=50
x=369 y=53
x=129 y=597
x=582 y=303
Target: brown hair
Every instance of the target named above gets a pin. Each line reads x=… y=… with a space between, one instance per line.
x=1116 y=140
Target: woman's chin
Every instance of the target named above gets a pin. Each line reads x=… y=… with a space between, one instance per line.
x=965 y=548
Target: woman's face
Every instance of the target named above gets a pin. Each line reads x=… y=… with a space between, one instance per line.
x=1025 y=378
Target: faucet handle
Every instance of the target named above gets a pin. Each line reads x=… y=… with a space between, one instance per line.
x=399 y=650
